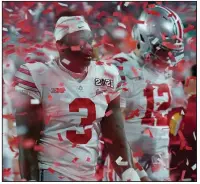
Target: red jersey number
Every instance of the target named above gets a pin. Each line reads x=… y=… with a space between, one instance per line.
x=75 y=106
x=151 y=114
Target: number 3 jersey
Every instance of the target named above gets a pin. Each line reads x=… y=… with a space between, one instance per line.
x=73 y=111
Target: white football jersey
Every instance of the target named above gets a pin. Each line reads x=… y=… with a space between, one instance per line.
x=150 y=94
x=73 y=111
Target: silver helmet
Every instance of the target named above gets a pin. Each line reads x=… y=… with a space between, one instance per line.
x=160 y=35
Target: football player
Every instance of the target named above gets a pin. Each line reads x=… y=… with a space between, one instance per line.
x=63 y=105
x=150 y=90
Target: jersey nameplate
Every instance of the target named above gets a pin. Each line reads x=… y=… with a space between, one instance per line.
x=104 y=82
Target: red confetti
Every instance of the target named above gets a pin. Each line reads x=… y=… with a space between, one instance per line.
x=61 y=177
x=51 y=170
x=109 y=113
x=8 y=117
x=152 y=12
x=6 y=172
x=75 y=48
x=6 y=39
x=60 y=137
x=107 y=140
x=56 y=164
x=148 y=132
x=28 y=143
x=155 y=167
x=38 y=148
x=134 y=71
x=50 y=97
x=75 y=160
x=189 y=28
x=107 y=74
x=138 y=154
x=132 y=114
x=99 y=63
x=88 y=159
x=48 y=10
x=16 y=155
x=11 y=51
x=183 y=175
x=188 y=148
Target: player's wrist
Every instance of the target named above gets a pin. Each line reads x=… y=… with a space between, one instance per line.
x=130 y=175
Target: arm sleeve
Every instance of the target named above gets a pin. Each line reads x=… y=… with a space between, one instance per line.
x=24 y=83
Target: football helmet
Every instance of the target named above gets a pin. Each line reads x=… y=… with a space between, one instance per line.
x=160 y=36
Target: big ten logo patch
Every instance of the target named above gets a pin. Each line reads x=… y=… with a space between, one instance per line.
x=104 y=82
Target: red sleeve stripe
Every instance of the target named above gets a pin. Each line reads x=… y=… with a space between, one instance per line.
x=25 y=71
x=26 y=83
x=27 y=87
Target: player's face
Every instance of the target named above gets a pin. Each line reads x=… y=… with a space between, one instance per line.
x=78 y=45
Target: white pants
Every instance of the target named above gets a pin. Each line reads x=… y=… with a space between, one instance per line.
x=152 y=142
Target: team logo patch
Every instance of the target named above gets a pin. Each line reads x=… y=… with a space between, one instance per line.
x=104 y=82
x=58 y=90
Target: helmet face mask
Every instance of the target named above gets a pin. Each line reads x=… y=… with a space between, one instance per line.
x=160 y=38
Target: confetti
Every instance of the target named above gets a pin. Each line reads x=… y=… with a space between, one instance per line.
x=109 y=113
x=194 y=167
x=88 y=159
x=187 y=179
x=63 y=4
x=183 y=175
x=60 y=137
x=189 y=28
x=75 y=48
x=194 y=136
x=107 y=140
x=35 y=101
x=75 y=160
x=51 y=170
x=6 y=172
x=56 y=164
x=120 y=162
x=187 y=162
x=28 y=143
x=50 y=97
x=38 y=148
x=148 y=132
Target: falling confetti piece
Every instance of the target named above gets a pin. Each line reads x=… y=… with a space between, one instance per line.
x=56 y=164
x=120 y=162
x=188 y=148
x=28 y=143
x=194 y=136
x=8 y=117
x=50 y=97
x=183 y=175
x=189 y=28
x=107 y=140
x=51 y=170
x=194 y=167
x=75 y=160
x=60 y=137
x=148 y=132
x=63 y=4
x=109 y=113
x=187 y=162
x=35 y=101
x=38 y=148
x=187 y=179
x=88 y=159
x=6 y=172
x=61 y=177
x=75 y=48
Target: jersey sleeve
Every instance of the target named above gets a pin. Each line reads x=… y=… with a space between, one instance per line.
x=24 y=83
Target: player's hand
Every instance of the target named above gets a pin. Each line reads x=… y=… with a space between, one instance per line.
x=145 y=179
